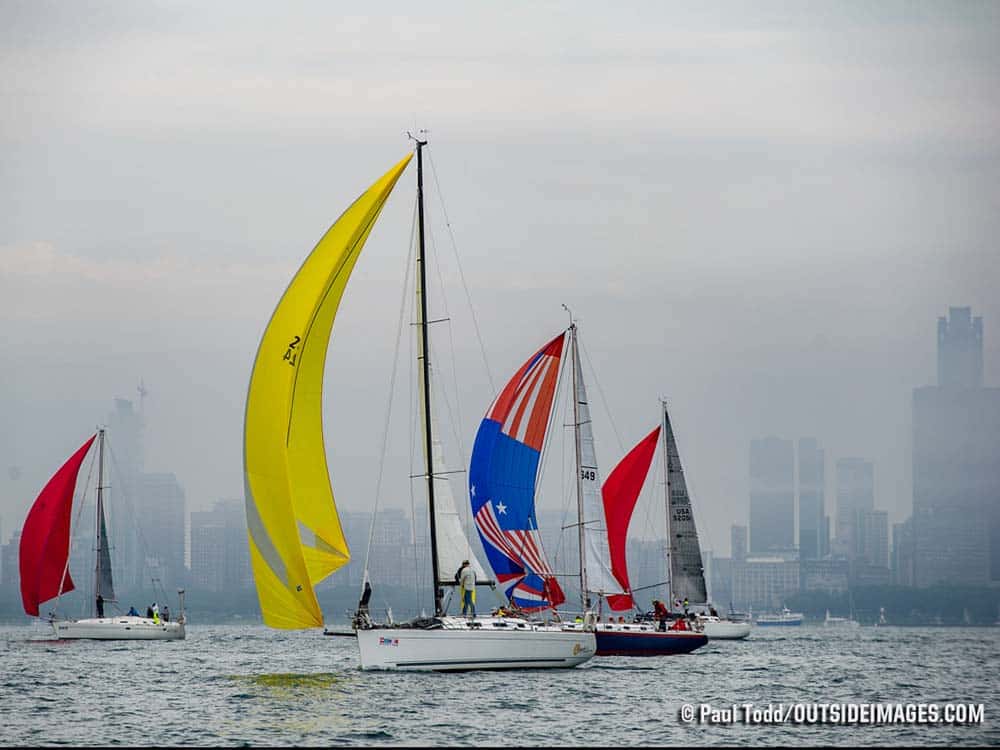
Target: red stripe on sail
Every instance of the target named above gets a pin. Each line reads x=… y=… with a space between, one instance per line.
x=500 y=408
x=619 y=494
x=44 y=549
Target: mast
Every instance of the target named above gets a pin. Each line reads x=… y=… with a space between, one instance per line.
x=424 y=355
x=584 y=597
x=101 y=541
x=666 y=499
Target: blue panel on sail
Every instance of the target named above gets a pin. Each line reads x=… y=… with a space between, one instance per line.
x=502 y=477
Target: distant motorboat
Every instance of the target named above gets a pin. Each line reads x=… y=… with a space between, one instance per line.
x=787 y=618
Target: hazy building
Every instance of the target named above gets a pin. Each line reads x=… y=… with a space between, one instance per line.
x=721 y=583
x=394 y=559
x=960 y=349
x=956 y=463
x=855 y=496
x=10 y=574
x=873 y=543
x=902 y=553
x=125 y=462
x=161 y=512
x=738 y=543
x=772 y=496
x=813 y=541
x=356 y=528
x=220 y=552
x=829 y=575
x=764 y=583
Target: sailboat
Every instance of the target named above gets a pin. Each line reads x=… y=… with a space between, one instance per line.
x=842 y=622
x=685 y=573
x=295 y=535
x=502 y=481
x=44 y=561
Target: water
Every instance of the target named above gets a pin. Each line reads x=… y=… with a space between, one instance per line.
x=248 y=685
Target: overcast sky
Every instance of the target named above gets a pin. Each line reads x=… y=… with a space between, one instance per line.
x=756 y=209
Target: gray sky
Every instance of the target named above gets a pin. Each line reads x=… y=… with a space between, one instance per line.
x=756 y=209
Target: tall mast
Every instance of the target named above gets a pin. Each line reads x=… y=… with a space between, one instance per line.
x=101 y=541
x=424 y=355
x=666 y=498
x=584 y=597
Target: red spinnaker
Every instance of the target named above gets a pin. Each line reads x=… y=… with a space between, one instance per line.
x=620 y=493
x=44 y=548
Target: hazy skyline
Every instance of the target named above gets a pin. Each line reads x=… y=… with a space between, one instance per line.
x=758 y=210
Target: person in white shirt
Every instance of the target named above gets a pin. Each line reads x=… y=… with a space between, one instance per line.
x=467 y=581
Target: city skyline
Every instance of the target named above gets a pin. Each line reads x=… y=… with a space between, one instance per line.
x=769 y=267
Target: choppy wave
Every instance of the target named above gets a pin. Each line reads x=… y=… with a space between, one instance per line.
x=240 y=686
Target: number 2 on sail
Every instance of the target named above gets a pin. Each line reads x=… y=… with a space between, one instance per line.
x=290 y=353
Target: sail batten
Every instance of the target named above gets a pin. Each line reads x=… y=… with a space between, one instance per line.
x=43 y=554
x=294 y=532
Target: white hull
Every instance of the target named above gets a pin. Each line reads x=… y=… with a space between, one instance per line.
x=725 y=630
x=842 y=624
x=488 y=643
x=119 y=629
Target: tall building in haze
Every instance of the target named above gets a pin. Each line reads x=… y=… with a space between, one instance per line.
x=956 y=463
x=855 y=497
x=813 y=540
x=772 y=496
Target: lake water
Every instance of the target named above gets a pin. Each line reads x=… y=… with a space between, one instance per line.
x=248 y=685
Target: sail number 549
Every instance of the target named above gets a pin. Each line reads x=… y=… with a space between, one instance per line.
x=588 y=474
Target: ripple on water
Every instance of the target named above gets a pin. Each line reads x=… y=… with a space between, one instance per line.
x=240 y=686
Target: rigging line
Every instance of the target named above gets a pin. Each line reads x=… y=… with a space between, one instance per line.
x=130 y=507
x=543 y=458
x=593 y=372
x=461 y=273
x=392 y=388
x=413 y=411
x=456 y=418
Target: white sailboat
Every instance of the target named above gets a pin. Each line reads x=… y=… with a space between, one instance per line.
x=44 y=562
x=842 y=622
x=295 y=534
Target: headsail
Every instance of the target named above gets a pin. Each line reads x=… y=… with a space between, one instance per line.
x=620 y=491
x=502 y=476
x=687 y=574
x=599 y=578
x=44 y=549
x=294 y=532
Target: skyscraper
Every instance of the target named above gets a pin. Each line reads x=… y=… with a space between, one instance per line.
x=738 y=543
x=220 y=556
x=956 y=462
x=772 y=496
x=960 y=349
x=855 y=496
x=812 y=515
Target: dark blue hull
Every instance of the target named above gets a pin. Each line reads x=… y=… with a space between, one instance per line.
x=647 y=643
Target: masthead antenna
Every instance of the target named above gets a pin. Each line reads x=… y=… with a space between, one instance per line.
x=570 y=313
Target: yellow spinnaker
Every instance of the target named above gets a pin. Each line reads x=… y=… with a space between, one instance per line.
x=295 y=534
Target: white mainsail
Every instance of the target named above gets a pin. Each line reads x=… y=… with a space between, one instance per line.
x=597 y=558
